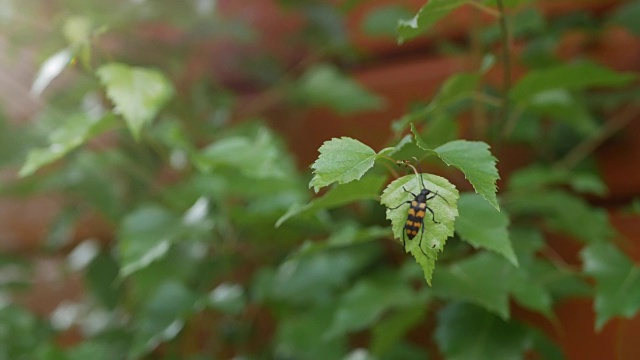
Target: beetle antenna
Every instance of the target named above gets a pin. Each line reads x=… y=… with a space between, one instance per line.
x=418 y=171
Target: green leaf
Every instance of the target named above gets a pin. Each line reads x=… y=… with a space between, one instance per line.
x=566 y=213
x=258 y=156
x=435 y=235
x=440 y=129
x=392 y=328
x=137 y=93
x=530 y=291
x=426 y=17
x=301 y=336
x=617 y=282
x=456 y=88
x=100 y=278
x=350 y=234
x=563 y=107
x=467 y=332
x=537 y=177
x=147 y=234
x=311 y=279
x=627 y=15
x=383 y=20
x=367 y=301
x=228 y=298
x=481 y=225
x=324 y=85
x=474 y=159
x=576 y=76
x=483 y=279
x=161 y=318
x=544 y=346
x=78 y=129
x=342 y=160
x=366 y=189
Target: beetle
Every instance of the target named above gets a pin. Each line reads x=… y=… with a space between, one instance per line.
x=417 y=208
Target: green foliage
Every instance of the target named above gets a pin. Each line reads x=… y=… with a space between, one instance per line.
x=185 y=260
x=466 y=332
x=474 y=159
x=428 y=15
x=343 y=160
x=75 y=131
x=481 y=225
x=455 y=89
x=575 y=76
x=324 y=85
x=137 y=93
x=617 y=282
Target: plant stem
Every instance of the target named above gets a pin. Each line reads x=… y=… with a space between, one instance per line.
x=590 y=144
x=506 y=64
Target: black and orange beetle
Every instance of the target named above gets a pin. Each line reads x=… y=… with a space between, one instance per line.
x=417 y=208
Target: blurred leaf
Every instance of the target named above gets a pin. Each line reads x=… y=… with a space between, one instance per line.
x=94 y=176
x=77 y=30
x=477 y=163
x=566 y=213
x=440 y=129
x=100 y=278
x=426 y=17
x=228 y=298
x=483 y=279
x=313 y=279
x=147 y=234
x=324 y=85
x=95 y=350
x=561 y=283
x=137 y=93
x=258 y=156
x=78 y=129
x=383 y=20
x=363 y=304
x=576 y=76
x=467 y=332
x=22 y=333
x=366 y=189
x=350 y=234
x=627 y=15
x=62 y=229
x=432 y=236
x=545 y=347
x=563 y=107
x=393 y=328
x=530 y=291
x=457 y=87
x=617 y=282
x=301 y=336
x=343 y=160
x=50 y=69
x=161 y=318
x=537 y=177
x=482 y=225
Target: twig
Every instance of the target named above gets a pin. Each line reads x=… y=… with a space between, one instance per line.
x=486 y=9
x=589 y=145
x=506 y=61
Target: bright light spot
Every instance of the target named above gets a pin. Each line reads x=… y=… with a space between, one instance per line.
x=83 y=254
